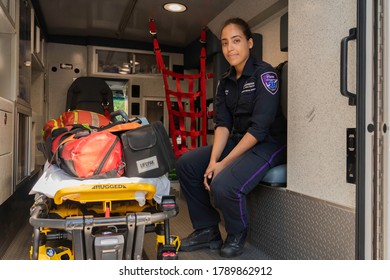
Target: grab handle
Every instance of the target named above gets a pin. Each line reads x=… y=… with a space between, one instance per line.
x=344 y=67
x=113 y=115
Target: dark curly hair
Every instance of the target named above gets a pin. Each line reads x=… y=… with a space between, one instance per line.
x=242 y=24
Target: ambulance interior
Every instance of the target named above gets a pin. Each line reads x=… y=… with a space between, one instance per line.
x=111 y=40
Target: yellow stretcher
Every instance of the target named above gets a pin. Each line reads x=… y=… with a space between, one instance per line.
x=102 y=220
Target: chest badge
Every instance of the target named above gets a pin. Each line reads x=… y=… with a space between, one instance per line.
x=270 y=82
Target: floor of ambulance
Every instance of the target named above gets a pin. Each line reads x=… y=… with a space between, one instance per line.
x=16 y=232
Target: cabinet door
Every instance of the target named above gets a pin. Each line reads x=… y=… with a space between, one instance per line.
x=6 y=147
x=6 y=134
x=6 y=177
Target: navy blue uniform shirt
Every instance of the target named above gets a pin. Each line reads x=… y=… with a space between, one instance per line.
x=251 y=103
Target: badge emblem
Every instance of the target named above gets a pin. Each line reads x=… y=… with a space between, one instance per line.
x=270 y=82
x=50 y=252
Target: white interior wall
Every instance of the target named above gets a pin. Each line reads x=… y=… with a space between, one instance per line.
x=271 y=42
x=58 y=82
x=317 y=113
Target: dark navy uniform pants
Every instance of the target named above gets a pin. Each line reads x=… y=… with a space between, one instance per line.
x=229 y=187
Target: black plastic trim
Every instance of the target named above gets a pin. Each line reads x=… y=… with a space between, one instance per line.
x=360 y=128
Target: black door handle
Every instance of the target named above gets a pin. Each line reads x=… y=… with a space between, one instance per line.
x=344 y=67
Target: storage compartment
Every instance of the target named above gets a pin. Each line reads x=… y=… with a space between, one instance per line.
x=6 y=124
x=6 y=147
x=6 y=184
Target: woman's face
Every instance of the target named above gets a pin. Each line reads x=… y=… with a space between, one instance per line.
x=235 y=46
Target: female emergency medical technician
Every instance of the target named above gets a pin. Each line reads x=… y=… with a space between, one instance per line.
x=250 y=138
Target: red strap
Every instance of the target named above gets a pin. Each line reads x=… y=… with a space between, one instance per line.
x=203 y=36
x=156 y=46
x=106 y=112
x=152 y=27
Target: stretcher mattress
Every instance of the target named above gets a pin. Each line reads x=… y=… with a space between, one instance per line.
x=54 y=179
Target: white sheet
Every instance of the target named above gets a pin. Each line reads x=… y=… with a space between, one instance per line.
x=54 y=179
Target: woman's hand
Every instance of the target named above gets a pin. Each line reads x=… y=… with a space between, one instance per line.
x=212 y=170
x=246 y=143
x=208 y=175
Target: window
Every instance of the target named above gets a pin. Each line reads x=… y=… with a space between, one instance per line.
x=119 y=92
x=124 y=62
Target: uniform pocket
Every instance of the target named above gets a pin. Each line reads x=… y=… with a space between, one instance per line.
x=246 y=103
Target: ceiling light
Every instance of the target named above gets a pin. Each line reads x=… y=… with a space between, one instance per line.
x=175 y=7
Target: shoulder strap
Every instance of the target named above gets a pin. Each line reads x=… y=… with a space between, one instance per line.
x=72 y=133
x=120 y=126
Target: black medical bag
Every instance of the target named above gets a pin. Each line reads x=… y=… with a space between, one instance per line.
x=148 y=151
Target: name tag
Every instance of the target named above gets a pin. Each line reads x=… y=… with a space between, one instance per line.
x=147 y=164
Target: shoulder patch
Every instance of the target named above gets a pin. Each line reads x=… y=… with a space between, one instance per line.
x=270 y=82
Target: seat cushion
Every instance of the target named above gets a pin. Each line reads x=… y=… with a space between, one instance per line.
x=276 y=176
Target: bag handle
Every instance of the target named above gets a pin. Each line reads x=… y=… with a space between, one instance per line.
x=72 y=134
x=101 y=165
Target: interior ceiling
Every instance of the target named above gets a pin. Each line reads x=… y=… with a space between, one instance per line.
x=126 y=19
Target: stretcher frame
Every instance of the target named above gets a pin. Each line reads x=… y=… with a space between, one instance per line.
x=79 y=228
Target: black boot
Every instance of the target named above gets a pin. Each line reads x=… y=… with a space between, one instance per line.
x=234 y=245
x=202 y=238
